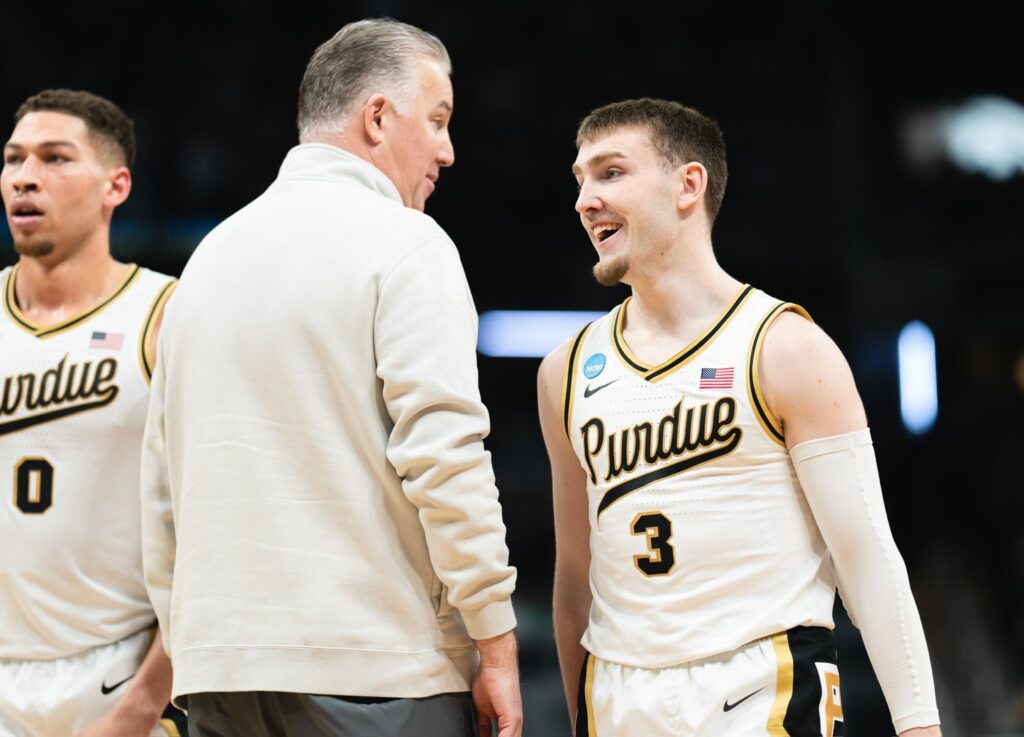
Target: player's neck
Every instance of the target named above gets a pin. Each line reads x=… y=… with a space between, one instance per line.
x=49 y=291
x=675 y=302
x=676 y=283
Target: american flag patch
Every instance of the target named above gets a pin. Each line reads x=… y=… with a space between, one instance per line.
x=716 y=378
x=107 y=341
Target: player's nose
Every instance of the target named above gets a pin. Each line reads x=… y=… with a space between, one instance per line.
x=586 y=200
x=27 y=175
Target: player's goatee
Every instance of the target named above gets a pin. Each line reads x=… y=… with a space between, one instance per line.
x=609 y=273
x=35 y=250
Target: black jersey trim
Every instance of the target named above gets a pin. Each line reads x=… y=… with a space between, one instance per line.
x=768 y=423
x=147 y=326
x=656 y=373
x=570 y=372
x=11 y=305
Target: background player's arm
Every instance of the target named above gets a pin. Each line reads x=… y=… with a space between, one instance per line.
x=572 y=528
x=149 y=691
x=144 y=700
x=808 y=384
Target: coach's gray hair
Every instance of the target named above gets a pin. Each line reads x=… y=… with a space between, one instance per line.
x=368 y=56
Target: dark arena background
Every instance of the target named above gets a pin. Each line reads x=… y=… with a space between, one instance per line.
x=876 y=177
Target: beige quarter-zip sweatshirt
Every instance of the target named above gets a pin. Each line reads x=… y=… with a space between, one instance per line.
x=319 y=512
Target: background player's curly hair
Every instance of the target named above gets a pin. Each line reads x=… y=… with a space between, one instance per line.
x=108 y=126
x=679 y=133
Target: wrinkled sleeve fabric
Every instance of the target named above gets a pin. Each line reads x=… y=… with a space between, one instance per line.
x=839 y=476
x=425 y=341
x=158 y=532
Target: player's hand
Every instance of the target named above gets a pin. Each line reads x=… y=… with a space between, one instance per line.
x=118 y=725
x=496 y=687
x=932 y=731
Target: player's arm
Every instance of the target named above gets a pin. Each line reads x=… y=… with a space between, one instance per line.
x=572 y=595
x=159 y=539
x=808 y=385
x=144 y=700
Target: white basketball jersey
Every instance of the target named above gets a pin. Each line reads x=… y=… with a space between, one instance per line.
x=73 y=400
x=701 y=539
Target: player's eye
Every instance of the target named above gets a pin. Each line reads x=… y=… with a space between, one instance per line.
x=611 y=173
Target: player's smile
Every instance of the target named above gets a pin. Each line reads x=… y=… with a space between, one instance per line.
x=606 y=234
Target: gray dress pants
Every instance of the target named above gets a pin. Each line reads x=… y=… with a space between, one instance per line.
x=280 y=714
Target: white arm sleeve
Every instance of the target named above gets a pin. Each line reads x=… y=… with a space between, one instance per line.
x=839 y=477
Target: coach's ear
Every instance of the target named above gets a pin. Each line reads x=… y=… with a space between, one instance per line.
x=375 y=112
x=693 y=182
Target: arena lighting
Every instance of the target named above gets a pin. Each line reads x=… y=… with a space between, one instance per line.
x=528 y=333
x=919 y=397
x=983 y=135
x=986 y=135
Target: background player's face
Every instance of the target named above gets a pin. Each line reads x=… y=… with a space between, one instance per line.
x=420 y=143
x=627 y=200
x=54 y=182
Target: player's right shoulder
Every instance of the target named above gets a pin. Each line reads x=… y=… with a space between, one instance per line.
x=552 y=367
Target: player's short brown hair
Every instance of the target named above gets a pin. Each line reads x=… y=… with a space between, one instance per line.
x=678 y=133
x=106 y=122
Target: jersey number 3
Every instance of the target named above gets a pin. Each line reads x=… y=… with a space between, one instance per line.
x=661 y=557
x=33 y=485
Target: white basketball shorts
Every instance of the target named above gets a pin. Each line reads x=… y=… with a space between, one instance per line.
x=57 y=698
x=786 y=685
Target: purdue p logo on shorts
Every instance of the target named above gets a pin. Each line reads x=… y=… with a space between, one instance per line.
x=830 y=708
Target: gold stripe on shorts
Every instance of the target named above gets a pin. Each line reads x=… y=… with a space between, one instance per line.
x=783 y=685
x=592 y=728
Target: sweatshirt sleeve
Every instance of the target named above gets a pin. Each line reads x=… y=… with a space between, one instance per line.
x=158 y=532
x=425 y=341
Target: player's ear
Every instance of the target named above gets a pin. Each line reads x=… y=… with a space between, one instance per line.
x=693 y=182
x=374 y=113
x=119 y=186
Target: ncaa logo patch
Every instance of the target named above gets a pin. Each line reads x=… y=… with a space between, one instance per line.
x=594 y=366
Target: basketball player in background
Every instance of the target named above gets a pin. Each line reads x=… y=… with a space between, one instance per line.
x=79 y=654
x=711 y=468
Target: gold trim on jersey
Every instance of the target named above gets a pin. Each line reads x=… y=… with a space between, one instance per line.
x=147 y=327
x=571 y=361
x=783 y=686
x=14 y=312
x=771 y=425
x=683 y=357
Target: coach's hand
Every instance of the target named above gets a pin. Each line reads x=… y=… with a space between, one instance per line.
x=496 y=687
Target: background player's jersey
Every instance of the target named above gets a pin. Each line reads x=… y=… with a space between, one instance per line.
x=701 y=539
x=73 y=400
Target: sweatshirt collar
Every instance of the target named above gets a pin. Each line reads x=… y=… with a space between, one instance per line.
x=330 y=163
